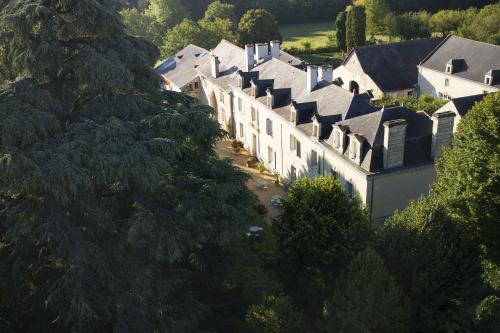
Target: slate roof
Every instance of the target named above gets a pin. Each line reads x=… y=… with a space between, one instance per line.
x=393 y=66
x=179 y=69
x=329 y=103
x=370 y=127
x=477 y=58
x=464 y=104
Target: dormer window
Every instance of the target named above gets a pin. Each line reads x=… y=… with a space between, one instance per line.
x=353 y=150
x=240 y=82
x=449 y=69
x=487 y=80
x=270 y=98
x=355 y=146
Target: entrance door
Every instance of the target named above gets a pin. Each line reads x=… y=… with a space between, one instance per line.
x=254 y=144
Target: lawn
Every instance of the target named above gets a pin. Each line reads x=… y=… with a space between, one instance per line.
x=315 y=33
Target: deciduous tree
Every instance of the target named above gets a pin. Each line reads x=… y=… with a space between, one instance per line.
x=258 y=26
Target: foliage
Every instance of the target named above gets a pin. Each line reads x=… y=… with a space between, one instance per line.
x=469 y=175
x=485 y=26
x=340 y=25
x=375 y=10
x=276 y=314
x=447 y=21
x=434 y=262
x=355 y=27
x=155 y=20
x=488 y=314
x=424 y=102
x=219 y=10
x=258 y=26
x=108 y=184
x=366 y=298
x=315 y=241
x=413 y=25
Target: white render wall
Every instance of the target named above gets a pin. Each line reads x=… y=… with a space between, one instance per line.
x=433 y=82
x=382 y=193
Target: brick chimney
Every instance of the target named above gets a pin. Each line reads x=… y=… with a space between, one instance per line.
x=312 y=77
x=214 y=65
x=442 y=131
x=275 y=49
x=249 y=51
x=394 y=143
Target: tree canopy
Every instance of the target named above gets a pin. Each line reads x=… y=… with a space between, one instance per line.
x=108 y=184
x=258 y=26
x=315 y=241
x=355 y=27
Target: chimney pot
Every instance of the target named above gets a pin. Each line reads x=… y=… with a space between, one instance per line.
x=275 y=49
x=214 y=65
x=312 y=77
x=394 y=143
x=442 y=131
x=249 y=50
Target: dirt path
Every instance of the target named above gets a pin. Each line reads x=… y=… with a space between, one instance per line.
x=262 y=185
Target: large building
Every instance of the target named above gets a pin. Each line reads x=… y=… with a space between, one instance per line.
x=460 y=67
x=302 y=124
x=385 y=70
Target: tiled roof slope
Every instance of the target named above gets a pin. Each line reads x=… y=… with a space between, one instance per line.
x=393 y=66
x=478 y=58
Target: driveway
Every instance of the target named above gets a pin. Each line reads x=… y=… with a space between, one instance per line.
x=262 y=184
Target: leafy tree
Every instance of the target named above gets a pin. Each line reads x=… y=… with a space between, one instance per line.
x=366 y=298
x=276 y=314
x=447 y=21
x=315 y=241
x=258 y=26
x=435 y=263
x=413 y=25
x=340 y=33
x=355 y=27
x=108 y=184
x=376 y=11
x=488 y=314
x=484 y=26
x=155 y=20
x=468 y=180
x=391 y=22
x=219 y=10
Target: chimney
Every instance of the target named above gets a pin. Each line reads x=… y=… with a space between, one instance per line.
x=442 y=131
x=270 y=97
x=325 y=73
x=275 y=49
x=262 y=51
x=254 y=90
x=214 y=65
x=394 y=143
x=249 y=50
x=312 y=77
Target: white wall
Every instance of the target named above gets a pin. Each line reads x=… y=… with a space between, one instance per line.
x=433 y=82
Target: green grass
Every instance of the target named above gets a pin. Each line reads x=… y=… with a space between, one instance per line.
x=315 y=33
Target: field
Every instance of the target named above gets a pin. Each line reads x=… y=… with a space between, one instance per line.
x=315 y=33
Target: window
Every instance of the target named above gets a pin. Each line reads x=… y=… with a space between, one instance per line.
x=349 y=189
x=333 y=173
x=269 y=127
x=298 y=148
x=270 y=154
x=448 y=69
x=240 y=104
x=314 y=158
x=254 y=115
x=487 y=80
x=293 y=115
x=410 y=93
x=446 y=82
x=293 y=143
x=222 y=97
x=241 y=130
x=354 y=150
x=315 y=130
x=196 y=85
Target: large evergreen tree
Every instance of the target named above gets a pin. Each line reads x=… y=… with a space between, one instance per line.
x=355 y=27
x=108 y=184
x=340 y=32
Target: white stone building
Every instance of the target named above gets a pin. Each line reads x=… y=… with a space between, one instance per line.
x=385 y=70
x=460 y=106
x=301 y=124
x=460 y=67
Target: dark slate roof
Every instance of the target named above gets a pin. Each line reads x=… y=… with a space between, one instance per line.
x=463 y=104
x=393 y=66
x=371 y=127
x=179 y=69
x=477 y=58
